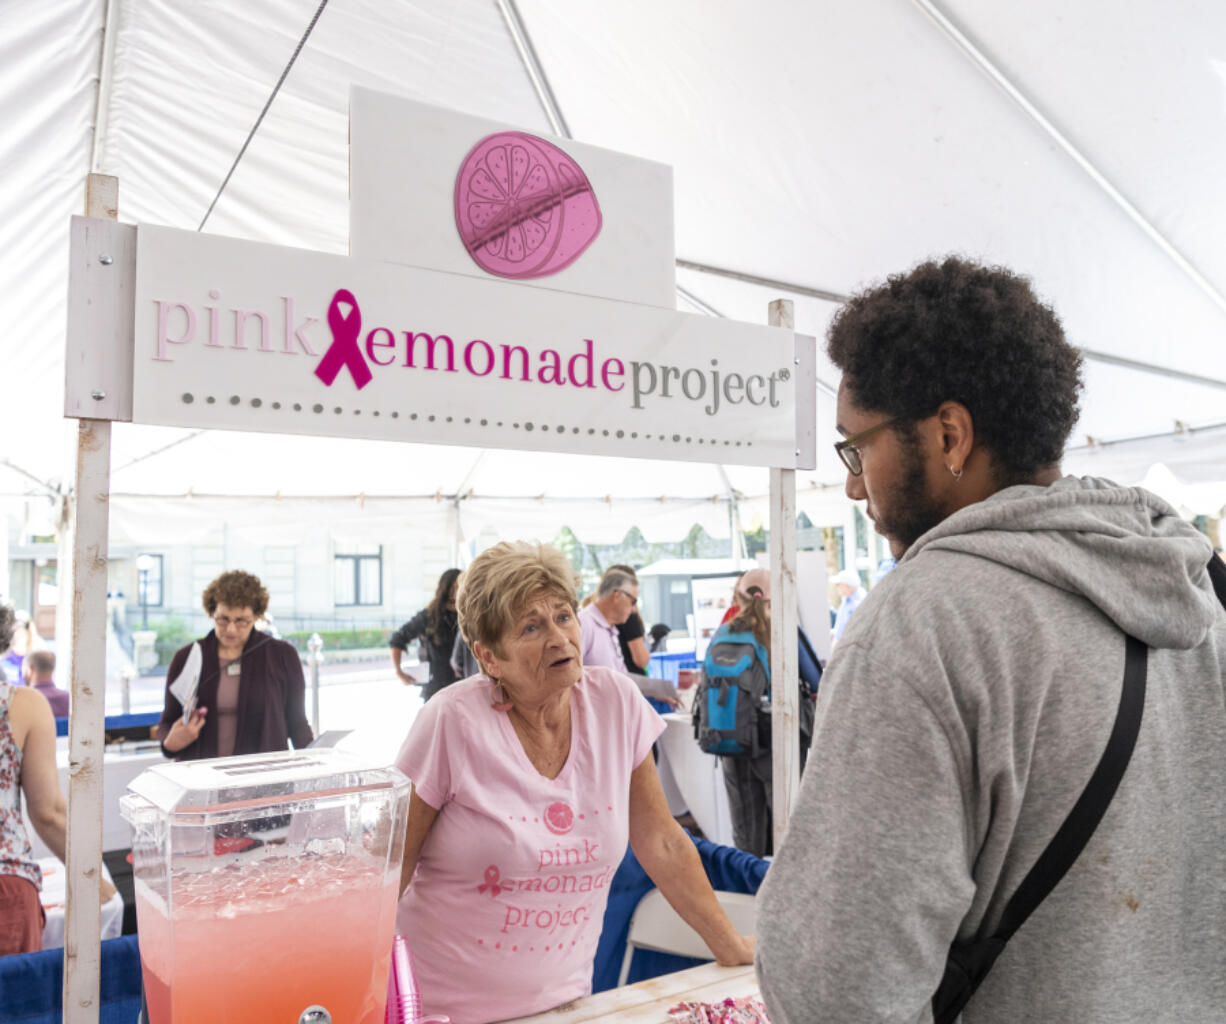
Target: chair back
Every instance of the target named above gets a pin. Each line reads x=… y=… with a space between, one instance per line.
x=31 y=985
x=657 y=926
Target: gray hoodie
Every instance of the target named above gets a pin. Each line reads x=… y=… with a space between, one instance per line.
x=961 y=717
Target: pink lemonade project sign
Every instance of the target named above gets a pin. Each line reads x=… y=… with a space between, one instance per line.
x=246 y=336
x=523 y=208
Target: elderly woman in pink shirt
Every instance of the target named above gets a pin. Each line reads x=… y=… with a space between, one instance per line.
x=528 y=780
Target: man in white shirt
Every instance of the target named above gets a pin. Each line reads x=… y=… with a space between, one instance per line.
x=847 y=583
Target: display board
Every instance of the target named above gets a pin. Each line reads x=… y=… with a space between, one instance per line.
x=711 y=597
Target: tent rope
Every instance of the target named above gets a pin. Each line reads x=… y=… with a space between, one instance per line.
x=260 y=120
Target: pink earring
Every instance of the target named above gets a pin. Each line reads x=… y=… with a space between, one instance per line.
x=497 y=704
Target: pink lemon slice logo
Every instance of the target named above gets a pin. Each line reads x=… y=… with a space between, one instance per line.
x=559 y=818
x=523 y=208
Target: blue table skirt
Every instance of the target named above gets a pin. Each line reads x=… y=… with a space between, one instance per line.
x=31 y=985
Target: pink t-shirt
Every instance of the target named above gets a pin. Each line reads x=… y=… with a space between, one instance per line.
x=506 y=905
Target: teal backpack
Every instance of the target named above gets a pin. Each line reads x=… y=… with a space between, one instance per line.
x=732 y=703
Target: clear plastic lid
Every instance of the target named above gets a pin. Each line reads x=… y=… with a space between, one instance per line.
x=225 y=789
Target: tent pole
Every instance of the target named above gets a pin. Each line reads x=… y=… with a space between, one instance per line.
x=87 y=724
x=828 y=296
x=457 y=533
x=1158 y=371
x=106 y=80
x=734 y=519
x=785 y=737
x=808 y=291
x=65 y=523
x=532 y=66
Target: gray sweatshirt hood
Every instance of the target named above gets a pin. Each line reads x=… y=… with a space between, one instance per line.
x=1122 y=548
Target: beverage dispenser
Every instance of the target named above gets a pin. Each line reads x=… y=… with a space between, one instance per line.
x=266 y=886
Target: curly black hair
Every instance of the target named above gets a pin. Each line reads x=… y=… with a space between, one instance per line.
x=960 y=331
x=8 y=624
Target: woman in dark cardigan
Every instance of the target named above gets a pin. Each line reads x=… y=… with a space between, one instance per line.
x=251 y=694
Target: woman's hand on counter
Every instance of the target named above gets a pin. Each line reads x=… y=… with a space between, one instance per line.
x=740 y=953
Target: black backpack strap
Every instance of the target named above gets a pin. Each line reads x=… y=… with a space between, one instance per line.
x=1083 y=819
x=968 y=963
x=1217 y=575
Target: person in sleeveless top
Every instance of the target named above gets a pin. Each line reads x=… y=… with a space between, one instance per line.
x=27 y=765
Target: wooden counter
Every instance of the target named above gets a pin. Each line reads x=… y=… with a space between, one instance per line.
x=648 y=1002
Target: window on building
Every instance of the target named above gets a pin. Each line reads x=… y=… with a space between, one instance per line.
x=149 y=580
x=358 y=578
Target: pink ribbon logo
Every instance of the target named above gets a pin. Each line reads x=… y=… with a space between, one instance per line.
x=344 y=349
x=491 y=881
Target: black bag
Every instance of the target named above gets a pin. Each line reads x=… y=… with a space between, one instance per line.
x=805 y=711
x=968 y=963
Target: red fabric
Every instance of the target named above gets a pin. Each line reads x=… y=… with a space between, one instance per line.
x=21 y=916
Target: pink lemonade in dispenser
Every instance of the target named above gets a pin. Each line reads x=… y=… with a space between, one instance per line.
x=292 y=907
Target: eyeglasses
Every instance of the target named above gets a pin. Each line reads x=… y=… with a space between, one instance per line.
x=225 y=622
x=633 y=600
x=848 y=449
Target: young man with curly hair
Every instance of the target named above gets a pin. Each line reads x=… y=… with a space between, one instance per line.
x=971 y=698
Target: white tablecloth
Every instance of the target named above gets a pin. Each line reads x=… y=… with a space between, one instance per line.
x=53 y=897
x=698 y=777
x=119 y=767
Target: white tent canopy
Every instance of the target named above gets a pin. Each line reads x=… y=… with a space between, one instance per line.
x=815 y=145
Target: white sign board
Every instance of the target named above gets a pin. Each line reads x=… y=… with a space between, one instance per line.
x=711 y=596
x=426 y=183
x=245 y=336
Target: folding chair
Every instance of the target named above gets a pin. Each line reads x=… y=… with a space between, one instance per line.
x=657 y=926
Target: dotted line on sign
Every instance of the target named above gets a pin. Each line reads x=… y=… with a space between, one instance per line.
x=318 y=408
